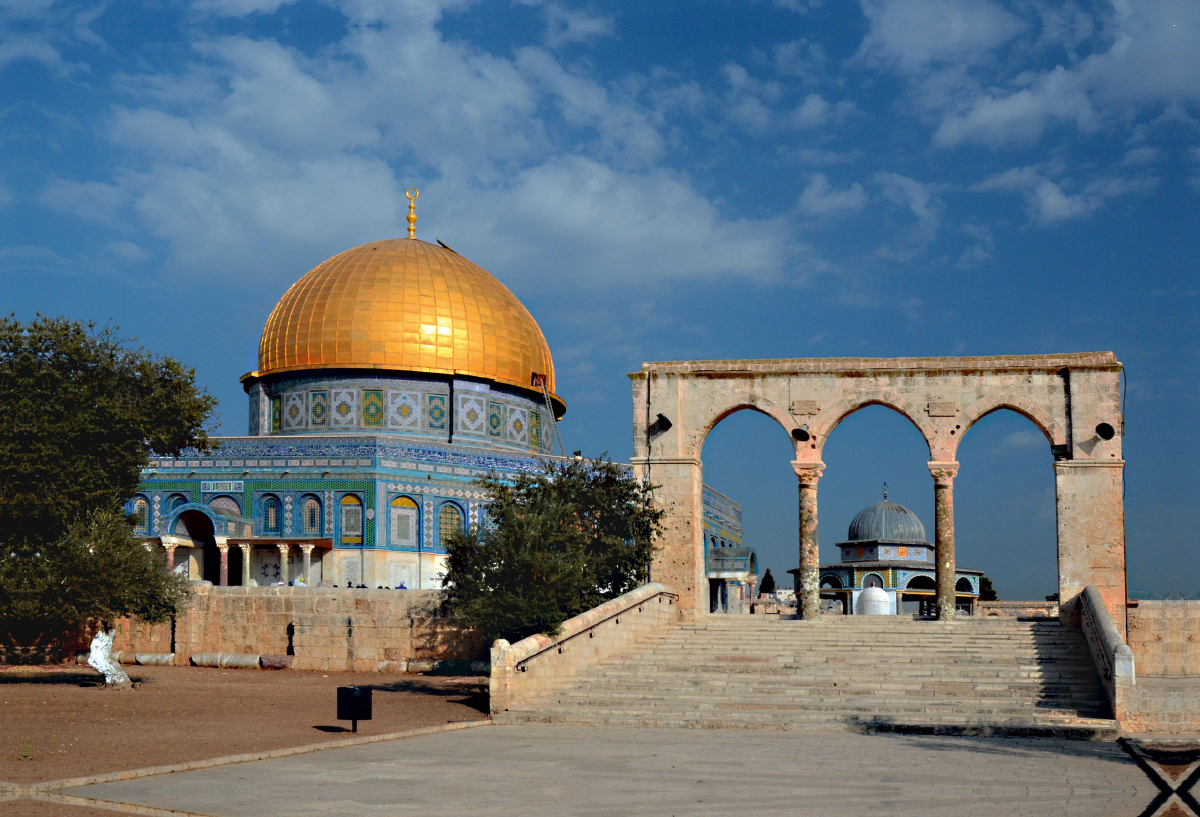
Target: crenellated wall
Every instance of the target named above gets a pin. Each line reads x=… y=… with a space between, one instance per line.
x=323 y=628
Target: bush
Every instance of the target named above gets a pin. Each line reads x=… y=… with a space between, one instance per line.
x=553 y=545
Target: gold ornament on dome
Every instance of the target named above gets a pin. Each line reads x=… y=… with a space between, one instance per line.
x=406 y=305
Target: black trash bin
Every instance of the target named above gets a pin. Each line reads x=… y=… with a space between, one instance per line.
x=354 y=704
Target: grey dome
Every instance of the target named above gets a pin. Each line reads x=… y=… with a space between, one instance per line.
x=887 y=522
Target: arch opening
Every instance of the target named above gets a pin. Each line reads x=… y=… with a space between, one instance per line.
x=749 y=505
x=1005 y=504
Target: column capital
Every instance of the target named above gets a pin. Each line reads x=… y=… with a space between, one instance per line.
x=307 y=548
x=223 y=547
x=245 y=545
x=943 y=472
x=283 y=548
x=808 y=472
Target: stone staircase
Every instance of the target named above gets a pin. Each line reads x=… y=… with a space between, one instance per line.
x=976 y=676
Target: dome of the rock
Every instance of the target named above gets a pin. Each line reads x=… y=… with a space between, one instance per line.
x=404 y=305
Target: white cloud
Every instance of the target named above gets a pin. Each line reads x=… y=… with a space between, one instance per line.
x=918 y=198
x=913 y=34
x=566 y=25
x=819 y=199
x=239 y=8
x=1049 y=203
x=1147 y=53
x=815 y=112
x=253 y=159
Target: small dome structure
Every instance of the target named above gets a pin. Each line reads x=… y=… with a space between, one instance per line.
x=875 y=601
x=887 y=522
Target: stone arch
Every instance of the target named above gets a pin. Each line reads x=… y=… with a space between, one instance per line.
x=728 y=411
x=843 y=410
x=833 y=580
x=1035 y=414
x=940 y=396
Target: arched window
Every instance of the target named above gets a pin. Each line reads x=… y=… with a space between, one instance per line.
x=450 y=519
x=175 y=502
x=310 y=521
x=964 y=586
x=403 y=522
x=141 y=511
x=831 y=581
x=225 y=504
x=872 y=580
x=352 y=520
x=271 y=517
x=921 y=583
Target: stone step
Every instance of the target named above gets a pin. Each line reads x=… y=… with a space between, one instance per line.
x=1071 y=729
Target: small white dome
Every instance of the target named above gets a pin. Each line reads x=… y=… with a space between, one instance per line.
x=874 y=601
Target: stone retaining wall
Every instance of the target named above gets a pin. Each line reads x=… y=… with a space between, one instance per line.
x=1165 y=637
x=331 y=629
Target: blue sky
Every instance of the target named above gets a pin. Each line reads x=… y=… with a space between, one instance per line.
x=656 y=182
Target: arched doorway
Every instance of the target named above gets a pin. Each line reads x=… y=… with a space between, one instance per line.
x=198 y=527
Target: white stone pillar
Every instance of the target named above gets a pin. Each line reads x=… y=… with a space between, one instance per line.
x=943 y=538
x=246 y=551
x=808 y=601
x=284 y=550
x=307 y=549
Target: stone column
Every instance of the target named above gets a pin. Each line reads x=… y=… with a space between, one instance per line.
x=308 y=549
x=283 y=562
x=224 y=548
x=245 y=565
x=1091 y=536
x=943 y=537
x=809 y=598
x=170 y=549
x=679 y=562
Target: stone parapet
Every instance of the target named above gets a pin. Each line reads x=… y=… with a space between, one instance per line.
x=321 y=628
x=1113 y=658
x=539 y=664
x=1018 y=609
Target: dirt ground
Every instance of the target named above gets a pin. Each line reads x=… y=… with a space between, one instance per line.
x=58 y=722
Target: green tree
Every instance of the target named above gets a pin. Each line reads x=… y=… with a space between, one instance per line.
x=554 y=544
x=80 y=411
x=986 y=591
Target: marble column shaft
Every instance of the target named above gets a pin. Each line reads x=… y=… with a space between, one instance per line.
x=809 y=597
x=943 y=512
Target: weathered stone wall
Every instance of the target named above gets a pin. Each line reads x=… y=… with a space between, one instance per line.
x=1018 y=609
x=322 y=628
x=1165 y=638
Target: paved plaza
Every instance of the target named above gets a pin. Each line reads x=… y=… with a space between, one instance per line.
x=566 y=770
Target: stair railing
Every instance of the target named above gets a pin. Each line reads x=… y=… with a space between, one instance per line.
x=540 y=664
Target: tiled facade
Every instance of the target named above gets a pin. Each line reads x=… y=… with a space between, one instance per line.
x=461 y=411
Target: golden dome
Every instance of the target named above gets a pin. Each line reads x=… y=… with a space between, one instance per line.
x=405 y=305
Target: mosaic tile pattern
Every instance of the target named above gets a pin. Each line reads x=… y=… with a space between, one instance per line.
x=372 y=408
x=255 y=420
x=293 y=410
x=472 y=414
x=404 y=410
x=535 y=429
x=276 y=414
x=318 y=409
x=495 y=421
x=435 y=412
x=345 y=408
x=518 y=425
